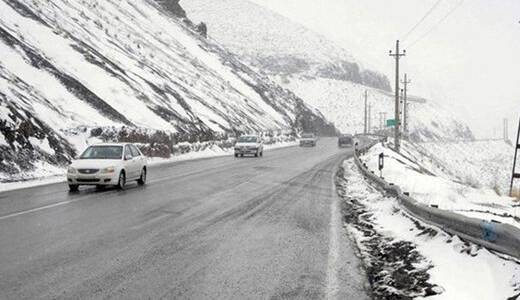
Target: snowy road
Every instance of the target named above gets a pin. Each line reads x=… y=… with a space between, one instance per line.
x=216 y=228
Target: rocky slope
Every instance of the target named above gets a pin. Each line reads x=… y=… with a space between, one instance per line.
x=101 y=64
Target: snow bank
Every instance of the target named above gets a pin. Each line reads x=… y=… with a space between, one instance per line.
x=463 y=271
x=428 y=181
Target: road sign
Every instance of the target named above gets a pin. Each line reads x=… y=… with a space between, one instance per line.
x=390 y=123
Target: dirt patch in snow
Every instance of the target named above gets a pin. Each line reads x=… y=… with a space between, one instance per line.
x=395 y=269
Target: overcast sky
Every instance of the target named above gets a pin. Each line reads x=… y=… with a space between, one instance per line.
x=470 y=61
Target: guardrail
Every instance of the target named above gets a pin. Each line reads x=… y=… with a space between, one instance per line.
x=500 y=237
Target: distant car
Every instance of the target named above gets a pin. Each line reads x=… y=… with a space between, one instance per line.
x=108 y=165
x=346 y=140
x=308 y=139
x=249 y=145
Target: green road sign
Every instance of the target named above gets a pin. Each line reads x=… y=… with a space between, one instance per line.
x=390 y=123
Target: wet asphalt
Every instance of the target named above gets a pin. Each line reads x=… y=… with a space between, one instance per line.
x=218 y=228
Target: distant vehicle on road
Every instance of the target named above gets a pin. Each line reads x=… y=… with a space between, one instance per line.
x=108 y=165
x=345 y=140
x=249 y=145
x=308 y=139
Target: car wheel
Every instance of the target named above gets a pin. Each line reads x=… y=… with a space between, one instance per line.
x=236 y=154
x=142 y=179
x=73 y=187
x=121 y=183
x=256 y=154
x=261 y=153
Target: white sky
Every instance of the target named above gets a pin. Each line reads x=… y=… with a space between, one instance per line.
x=471 y=61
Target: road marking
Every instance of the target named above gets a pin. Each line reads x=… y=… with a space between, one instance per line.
x=32 y=210
x=37 y=209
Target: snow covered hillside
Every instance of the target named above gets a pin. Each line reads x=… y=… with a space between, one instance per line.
x=448 y=185
x=276 y=45
x=69 y=64
x=481 y=163
x=342 y=102
x=325 y=75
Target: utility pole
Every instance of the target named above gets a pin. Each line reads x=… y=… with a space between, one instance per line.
x=517 y=148
x=405 y=104
x=397 y=55
x=369 y=117
x=366 y=112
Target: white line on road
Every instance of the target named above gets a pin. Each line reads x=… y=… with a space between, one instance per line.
x=38 y=209
x=32 y=210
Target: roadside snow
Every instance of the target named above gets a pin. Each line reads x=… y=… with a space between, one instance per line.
x=48 y=174
x=431 y=183
x=463 y=271
x=212 y=152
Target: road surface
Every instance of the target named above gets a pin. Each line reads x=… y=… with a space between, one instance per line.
x=219 y=228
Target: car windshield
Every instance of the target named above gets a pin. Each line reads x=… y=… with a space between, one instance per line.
x=247 y=139
x=307 y=135
x=103 y=152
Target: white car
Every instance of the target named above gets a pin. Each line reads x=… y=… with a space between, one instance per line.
x=249 y=144
x=308 y=139
x=107 y=165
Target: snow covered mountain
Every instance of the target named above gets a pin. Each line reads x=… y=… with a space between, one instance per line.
x=276 y=45
x=325 y=75
x=86 y=64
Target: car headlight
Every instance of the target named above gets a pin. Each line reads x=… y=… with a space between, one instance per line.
x=71 y=170
x=108 y=170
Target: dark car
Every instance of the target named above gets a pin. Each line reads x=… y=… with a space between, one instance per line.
x=346 y=140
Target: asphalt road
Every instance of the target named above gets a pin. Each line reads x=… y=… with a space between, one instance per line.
x=219 y=228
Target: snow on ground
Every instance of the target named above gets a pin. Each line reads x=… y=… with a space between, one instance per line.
x=482 y=163
x=461 y=271
x=431 y=182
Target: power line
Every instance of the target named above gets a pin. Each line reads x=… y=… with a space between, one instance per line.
x=436 y=24
x=422 y=19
